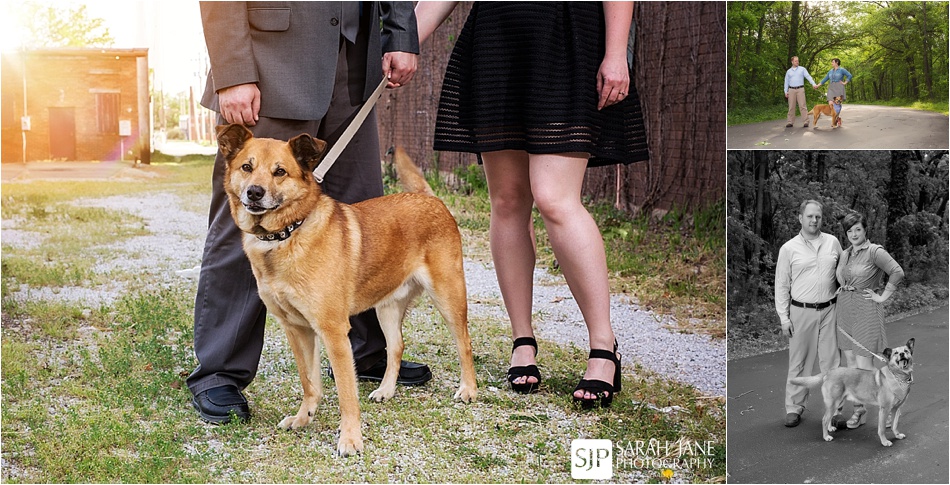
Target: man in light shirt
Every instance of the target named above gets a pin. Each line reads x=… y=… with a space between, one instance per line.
x=805 y=287
x=795 y=91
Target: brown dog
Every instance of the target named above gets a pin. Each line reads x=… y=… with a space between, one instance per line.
x=887 y=387
x=318 y=261
x=824 y=109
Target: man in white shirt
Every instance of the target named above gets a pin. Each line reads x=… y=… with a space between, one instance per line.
x=795 y=91
x=805 y=287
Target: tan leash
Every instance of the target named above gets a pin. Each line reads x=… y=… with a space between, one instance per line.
x=348 y=133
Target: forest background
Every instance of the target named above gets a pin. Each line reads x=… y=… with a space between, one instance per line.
x=903 y=194
x=897 y=52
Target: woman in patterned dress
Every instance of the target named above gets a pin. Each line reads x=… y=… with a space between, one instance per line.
x=861 y=270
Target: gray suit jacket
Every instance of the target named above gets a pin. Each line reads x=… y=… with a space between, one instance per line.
x=290 y=50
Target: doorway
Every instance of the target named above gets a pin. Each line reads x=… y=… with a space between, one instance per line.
x=62 y=133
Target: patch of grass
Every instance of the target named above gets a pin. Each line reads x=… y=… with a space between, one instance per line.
x=675 y=265
x=742 y=115
x=192 y=172
x=68 y=240
x=40 y=271
x=120 y=413
x=940 y=106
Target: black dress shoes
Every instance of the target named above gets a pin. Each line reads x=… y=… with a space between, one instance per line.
x=792 y=419
x=410 y=373
x=218 y=404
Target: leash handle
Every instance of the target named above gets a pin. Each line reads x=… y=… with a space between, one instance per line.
x=344 y=140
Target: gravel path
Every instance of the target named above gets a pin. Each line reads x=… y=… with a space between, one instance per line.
x=175 y=244
x=693 y=359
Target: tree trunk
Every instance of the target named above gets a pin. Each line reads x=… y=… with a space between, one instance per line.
x=761 y=168
x=896 y=197
x=924 y=20
x=793 y=32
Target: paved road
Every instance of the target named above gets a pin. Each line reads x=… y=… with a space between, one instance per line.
x=865 y=127
x=762 y=450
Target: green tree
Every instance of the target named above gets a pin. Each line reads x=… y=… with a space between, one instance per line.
x=53 y=25
x=897 y=51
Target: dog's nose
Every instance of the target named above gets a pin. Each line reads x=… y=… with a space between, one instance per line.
x=255 y=192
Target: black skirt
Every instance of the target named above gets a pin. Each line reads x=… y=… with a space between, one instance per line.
x=523 y=76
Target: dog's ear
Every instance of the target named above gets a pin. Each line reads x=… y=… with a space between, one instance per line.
x=910 y=346
x=308 y=151
x=231 y=139
x=887 y=354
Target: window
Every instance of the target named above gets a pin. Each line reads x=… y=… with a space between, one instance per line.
x=107 y=112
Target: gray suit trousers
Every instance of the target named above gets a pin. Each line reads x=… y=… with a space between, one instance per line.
x=229 y=315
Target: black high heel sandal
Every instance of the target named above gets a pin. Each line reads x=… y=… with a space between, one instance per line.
x=524 y=370
x=603 y=391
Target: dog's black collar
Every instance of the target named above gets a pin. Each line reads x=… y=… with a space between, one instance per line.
x=282 y=234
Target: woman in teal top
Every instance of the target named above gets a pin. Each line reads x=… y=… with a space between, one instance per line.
x=838 y=77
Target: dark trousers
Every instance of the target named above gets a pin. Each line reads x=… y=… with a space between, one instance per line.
x=229 y=314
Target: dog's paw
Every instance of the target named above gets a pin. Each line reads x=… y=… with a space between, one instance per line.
x=466 y=394
x=349 y=445
x=829 y=438
x=380 y=394
x=900 y=436
x=886 y=442
x=832 y=428
x=294 y=422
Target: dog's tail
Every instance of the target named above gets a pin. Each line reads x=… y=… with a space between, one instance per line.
x=409 y=174
x=808 y=381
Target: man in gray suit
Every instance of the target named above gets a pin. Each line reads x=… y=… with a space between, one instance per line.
x=285 y=68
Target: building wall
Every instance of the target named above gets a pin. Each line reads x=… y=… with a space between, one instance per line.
x=680 y=75
x=71 y=78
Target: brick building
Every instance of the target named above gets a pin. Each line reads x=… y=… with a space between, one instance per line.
x=75 y=104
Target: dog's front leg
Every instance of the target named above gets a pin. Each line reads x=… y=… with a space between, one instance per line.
x=897 y=434
x=306 y=347
x=882 y=423
x=336 y=339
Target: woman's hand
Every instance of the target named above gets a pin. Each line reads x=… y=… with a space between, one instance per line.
x=871 y=295
x=613 y=81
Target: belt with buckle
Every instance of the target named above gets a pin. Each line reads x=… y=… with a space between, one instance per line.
x=816 y=306
x=796 y=87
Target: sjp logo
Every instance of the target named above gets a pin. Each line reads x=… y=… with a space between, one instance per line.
x=592 y=460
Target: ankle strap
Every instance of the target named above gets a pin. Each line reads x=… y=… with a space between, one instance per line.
x=603 y=354
x=525 y=341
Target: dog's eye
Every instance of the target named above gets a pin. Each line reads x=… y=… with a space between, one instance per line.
x=247 y=167
x=280 y=172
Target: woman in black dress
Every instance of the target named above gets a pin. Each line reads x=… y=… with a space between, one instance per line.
x=541 y=91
